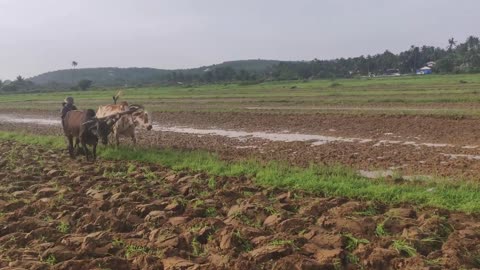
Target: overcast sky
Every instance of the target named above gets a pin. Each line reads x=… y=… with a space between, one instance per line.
x=45 y=35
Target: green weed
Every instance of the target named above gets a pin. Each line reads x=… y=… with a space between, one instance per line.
x=403 y=248
x=63 y=227
x=370 y=211
x=197 y=248
x=50 y=260
x=132 y=250
x=281 y=242
x=211 y=212
x=131 y=168
x=380 y=229
x=352 y=258
x=118 y=243
x=352 y=242
x=433 y=262
x=245 y=244
x=212 y=183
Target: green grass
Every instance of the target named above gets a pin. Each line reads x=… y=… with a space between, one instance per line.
x=50 y=260
x=322 y=180
x=281 y=242
x=403 y=248
x=380 y=229
x=63 y=227
x=408 y=95
x=352 y=242
x=132 y=250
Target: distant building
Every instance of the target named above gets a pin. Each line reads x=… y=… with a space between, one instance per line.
x=424 y=71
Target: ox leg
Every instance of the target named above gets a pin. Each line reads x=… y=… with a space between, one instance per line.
x=76 y=147
x=117 y=139
x=85 y=149
x=70 y=147
x=94 y=151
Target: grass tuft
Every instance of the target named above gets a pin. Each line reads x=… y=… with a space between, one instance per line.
x=352 y=242
x=403 y=248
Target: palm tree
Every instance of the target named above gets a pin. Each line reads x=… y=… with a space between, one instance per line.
x=451 y=44
x=74 y=64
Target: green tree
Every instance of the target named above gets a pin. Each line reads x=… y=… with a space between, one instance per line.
x=84 y=84
x=451 y=44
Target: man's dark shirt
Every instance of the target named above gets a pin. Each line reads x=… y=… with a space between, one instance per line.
x=67 y=108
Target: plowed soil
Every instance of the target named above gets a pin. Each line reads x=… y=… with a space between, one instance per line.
x=460 y=159
x=56 y=213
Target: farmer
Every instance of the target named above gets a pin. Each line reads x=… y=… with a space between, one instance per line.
x=67 y=105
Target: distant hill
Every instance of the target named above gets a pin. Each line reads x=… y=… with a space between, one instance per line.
x=110 y=76
x=250 y=65
x=100 y=76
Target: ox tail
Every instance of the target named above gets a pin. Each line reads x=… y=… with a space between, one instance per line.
x=117 y=96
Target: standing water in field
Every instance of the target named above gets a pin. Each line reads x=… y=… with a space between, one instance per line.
x=314 y=139
x=26 y=120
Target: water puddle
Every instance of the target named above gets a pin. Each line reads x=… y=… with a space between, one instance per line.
x=390 y=173
x=247 y=147
x=455 y=156
x=375 y=174
x=27 y=120
x=240 y=135
x=278 y=137
x=385 y=142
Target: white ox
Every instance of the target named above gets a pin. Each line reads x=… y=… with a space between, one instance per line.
x=127 y=124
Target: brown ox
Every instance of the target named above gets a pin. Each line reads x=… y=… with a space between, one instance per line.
x=127 y=124
x=86 y=129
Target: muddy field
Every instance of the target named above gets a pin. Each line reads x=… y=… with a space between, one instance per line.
x=403 y=145
x=61 y=214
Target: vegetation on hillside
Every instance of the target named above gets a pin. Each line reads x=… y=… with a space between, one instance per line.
x=455 y=58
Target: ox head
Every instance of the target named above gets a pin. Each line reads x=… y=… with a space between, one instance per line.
x=142 y=119
x=101 y=127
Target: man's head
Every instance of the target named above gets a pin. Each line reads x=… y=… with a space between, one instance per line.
x=69 y=100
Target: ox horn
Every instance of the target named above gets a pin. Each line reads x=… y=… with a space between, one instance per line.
x=94 y=120
x=135 y=107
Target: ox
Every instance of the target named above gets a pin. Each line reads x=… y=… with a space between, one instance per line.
x=85 y=128
x=127 y=124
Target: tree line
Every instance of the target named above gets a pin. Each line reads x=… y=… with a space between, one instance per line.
x=454 y=58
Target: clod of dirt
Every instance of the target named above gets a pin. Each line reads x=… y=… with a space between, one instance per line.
x=266 y=253
x=177 y=263
x=46 y=192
